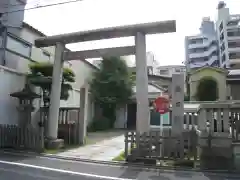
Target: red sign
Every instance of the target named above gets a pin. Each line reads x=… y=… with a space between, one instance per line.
x=162 y=105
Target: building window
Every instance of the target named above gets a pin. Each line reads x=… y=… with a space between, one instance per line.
x=18 y=46
x=233 y=33
x=233 y=44
x=233 y=23
x=177 y=70
x=196 y=41
x=183 y=70
x=230 y=34
x=224 y=57
x=197 y=50
x=164 y=72
x=235 y=55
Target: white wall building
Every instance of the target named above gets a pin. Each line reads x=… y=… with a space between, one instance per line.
x=170 y=69
x=19 y=52
x=228 y=31
x=202 y=49
x=152 y=64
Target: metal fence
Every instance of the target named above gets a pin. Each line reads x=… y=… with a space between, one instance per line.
x=23 y=138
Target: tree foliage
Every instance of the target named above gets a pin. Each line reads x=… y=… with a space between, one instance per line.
x=41 y=76
x=207 y=90
x=112 y=85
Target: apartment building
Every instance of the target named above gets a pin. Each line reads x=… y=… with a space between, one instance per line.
x=202 y=49
x=152 y=63
x=228 y=33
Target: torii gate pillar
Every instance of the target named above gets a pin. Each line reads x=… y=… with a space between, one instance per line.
x=141 y=84
x=52 y=124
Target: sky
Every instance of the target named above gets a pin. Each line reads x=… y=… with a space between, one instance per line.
x=93 y=14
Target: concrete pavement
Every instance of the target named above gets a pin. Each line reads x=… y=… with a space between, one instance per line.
x=17 y=166
x=104 y=150
x=16 y=173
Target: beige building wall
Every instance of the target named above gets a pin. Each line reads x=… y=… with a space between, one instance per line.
x=216 y=73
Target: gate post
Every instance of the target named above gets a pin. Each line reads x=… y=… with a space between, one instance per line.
x=141 y=84
x=52 y=128
x=142 y=124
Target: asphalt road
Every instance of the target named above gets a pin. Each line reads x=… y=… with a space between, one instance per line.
x=15 y=167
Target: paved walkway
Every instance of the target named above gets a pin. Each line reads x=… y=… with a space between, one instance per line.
x=104 y=150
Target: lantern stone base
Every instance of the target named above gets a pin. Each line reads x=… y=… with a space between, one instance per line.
x=54 y=143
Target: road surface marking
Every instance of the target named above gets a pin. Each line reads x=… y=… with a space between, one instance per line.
x=29 y=174
x=63 y=171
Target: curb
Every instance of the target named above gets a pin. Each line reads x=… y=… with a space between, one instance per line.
x=123 y=164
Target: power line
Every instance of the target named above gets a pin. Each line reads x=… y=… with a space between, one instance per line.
x=42 y=6
x=33 y=2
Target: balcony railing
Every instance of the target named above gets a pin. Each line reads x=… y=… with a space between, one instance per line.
x=204 y=53
x=205 y=43
x=203 y=63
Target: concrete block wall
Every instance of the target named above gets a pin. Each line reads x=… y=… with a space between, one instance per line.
x=10 y=81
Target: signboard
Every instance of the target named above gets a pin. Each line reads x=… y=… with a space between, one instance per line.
x=162 y=105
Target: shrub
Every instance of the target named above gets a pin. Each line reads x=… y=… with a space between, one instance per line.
x=184 y=163
x=99 y=124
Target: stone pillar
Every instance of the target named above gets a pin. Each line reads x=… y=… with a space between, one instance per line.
x=143 y=120
x=202 y=120
x=82 y=119
x=178 y=111
x=177 y=103
x=52 y=129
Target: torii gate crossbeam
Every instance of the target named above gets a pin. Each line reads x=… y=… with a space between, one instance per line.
x=139 y=31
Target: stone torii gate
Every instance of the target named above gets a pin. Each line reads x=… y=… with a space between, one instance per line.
x=139 y=31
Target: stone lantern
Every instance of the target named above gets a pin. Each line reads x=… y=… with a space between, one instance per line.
x=25 y=107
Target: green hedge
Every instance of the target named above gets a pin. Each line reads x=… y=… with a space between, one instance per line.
x=99 y=124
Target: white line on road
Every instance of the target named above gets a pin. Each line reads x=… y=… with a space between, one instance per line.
x=28 y=174
x=63 y=171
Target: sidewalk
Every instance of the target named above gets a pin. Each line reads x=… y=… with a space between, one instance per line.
x=104 y=150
